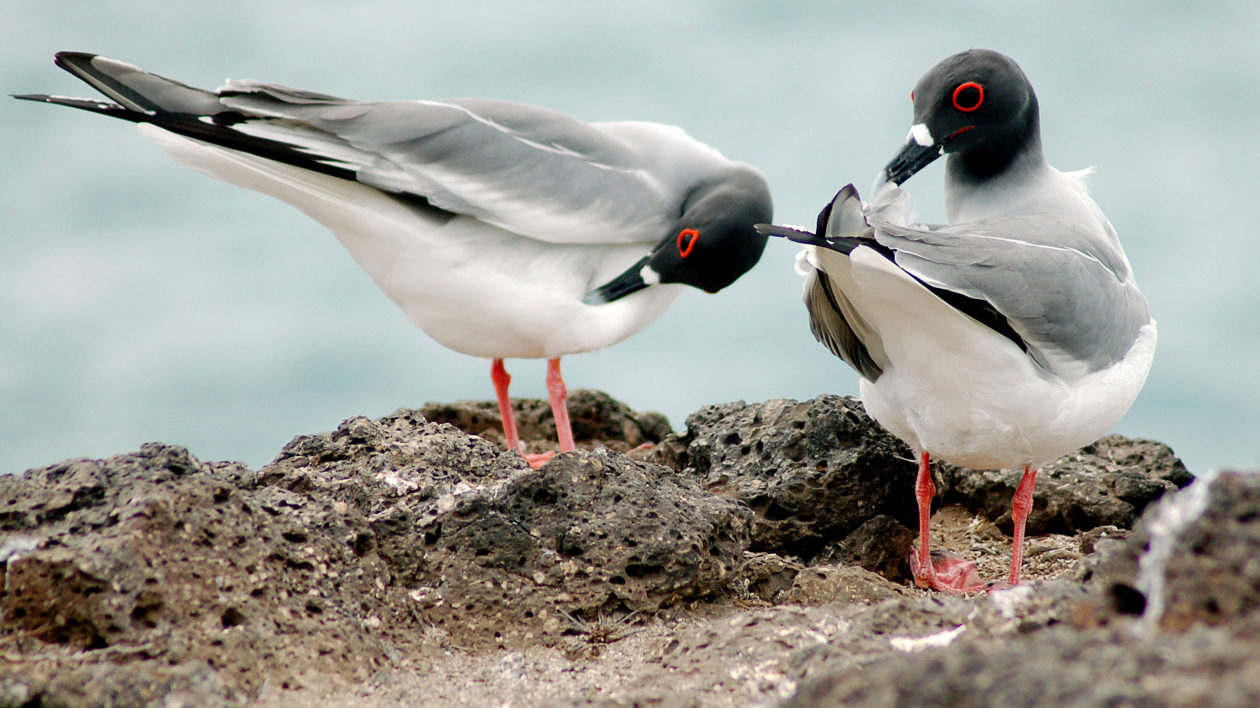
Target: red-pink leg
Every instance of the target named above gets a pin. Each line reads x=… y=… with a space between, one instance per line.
x=501 y=379
x=559 y=397
x=939 y=571
x=924 y=490
x=1021 y=507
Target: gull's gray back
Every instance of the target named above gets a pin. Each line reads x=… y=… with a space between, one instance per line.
x=529 y=169
x=1065 y=288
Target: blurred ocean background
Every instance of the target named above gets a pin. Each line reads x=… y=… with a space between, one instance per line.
x=141 y=301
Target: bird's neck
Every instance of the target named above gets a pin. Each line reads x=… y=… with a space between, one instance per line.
x=994 y=172
x=1003 y=153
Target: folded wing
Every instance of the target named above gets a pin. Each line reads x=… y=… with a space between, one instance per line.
x=1069 y=297
x=529 y=170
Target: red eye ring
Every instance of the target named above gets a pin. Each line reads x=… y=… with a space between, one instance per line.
x=979 y=96
x=690 y=236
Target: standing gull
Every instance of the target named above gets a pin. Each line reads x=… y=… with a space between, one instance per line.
x=1006 y=338
x=501 y=229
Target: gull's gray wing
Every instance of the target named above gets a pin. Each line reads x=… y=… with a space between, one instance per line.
x=1064 y=288
x=1062 y=292
x=527 y=169
x=530 y=170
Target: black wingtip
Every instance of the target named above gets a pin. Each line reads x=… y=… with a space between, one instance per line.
x=92 y=105
x=789 y=233
x=64 y=57
x=77 y=63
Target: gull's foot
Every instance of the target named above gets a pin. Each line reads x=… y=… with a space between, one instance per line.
x=539 y=459
x=946 y=572
x=640 y=452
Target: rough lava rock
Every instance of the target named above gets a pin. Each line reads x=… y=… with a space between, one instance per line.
x=597 y=419
x=1193 y=560
x=383 y=536
x=881 y=544
x=818 y=472
x=159 y=558
x=813 y=471
x=1170 y=616
x=1053 y=666
x=402 y=561
x=487 y=547
x=1107 y=483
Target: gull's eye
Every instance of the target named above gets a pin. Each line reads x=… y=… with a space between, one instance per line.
x=686 y=241
x=968 y=97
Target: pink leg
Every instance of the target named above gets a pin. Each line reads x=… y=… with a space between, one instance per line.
x=501 y=379
x=1021 y=507
x=556 y=393
x=559 y=397
x=939 y=571
x=924 y=490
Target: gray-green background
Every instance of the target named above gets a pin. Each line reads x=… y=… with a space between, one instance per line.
x=140 y=301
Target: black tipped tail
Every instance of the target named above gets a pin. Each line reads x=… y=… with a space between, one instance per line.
x=108 y=76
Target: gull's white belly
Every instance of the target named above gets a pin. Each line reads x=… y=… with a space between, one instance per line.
x=991 y=409
x=961 y=392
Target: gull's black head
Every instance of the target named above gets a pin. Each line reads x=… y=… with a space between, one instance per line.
x=711 y=244
x=976 y=105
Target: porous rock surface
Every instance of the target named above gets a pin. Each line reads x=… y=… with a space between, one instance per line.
x=812 y=471
x=487 y=547
x=380 y=535
x=596 y=418
x=1109 y=482
x=402 y=561
x=1169 y=616
x=824 y=479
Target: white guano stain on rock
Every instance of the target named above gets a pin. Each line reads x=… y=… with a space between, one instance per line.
x=930 y=641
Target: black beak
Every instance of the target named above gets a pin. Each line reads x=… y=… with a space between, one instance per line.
x=912 y=158
x=629 y=282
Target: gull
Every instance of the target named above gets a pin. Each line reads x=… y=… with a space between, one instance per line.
x=502 y=230
x=1009 y=336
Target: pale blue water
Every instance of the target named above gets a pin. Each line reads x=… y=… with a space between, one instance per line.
x=140 y=301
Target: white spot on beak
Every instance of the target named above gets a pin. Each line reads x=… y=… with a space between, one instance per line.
x=920 y=134
x=649 y=276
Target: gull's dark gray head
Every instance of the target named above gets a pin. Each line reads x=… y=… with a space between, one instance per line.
x=711 y=244
x=976 y=105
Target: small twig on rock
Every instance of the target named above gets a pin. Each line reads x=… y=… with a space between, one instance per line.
x=604 y=630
